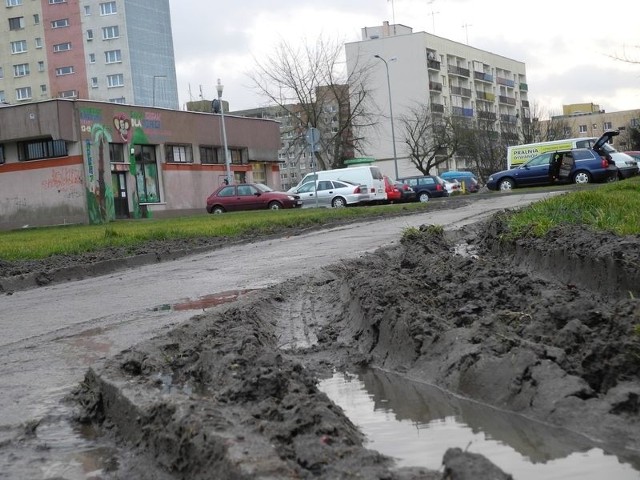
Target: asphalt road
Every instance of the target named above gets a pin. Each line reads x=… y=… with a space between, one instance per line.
x=50 y=335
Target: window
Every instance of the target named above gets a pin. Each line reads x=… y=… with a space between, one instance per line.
x=62 y=47
x=21 y=70
x=92 y=58
x=236 y=155
x=2 y=159
x=89 y=34
x=61 y=23
x=41 y=66
x=64 y=71
x=116 y=80
x=108 y=8
x=87 y=9
x=23 y=93
x=208 y=155
x=37 y=149
x=607 y=125
x=582 y=129
x=36 y=19
x=118 y=100
x=19 y=46
x=116 y=153
x=110 y=32
x=53 y=2
x=179 y=153
x=16 y=23
x=1 y=73
x=94 y=82
x=3 y=98
x=113 y=56
x=147 y=174
x=14 y=3
x=38 y=42
x=68 y=94
x=43 y=88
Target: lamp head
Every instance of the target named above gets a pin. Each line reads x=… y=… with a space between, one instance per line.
x=219 y=88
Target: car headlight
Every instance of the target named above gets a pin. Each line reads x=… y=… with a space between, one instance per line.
x=490 y=178
x=291 y=197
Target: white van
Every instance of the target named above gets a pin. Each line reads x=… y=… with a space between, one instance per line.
x=627 y=165
x=368 y=175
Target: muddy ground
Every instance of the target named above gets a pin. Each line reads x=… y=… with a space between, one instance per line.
x=548 y=328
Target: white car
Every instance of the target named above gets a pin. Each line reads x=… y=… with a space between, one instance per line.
x=452 y=186
x=332 y=193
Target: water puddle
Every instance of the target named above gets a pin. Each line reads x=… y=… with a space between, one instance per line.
x=206 y=301
x=416 y=424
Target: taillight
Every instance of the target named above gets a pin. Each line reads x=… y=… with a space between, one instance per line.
x=356 y=190
x=373 y=189
x=605 y=162
x=439 y=187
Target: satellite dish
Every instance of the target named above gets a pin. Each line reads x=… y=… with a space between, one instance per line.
x=215 y=105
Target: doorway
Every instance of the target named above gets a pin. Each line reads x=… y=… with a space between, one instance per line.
x=120 y=199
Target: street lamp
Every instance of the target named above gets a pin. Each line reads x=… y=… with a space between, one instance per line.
x=393 y=133
x=154 y=88
x=227 y=158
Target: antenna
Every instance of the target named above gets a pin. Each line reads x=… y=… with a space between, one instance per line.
x=466 y=28
x=201 y=95
x=433 y=19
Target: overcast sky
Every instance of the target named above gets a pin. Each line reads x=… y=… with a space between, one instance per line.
x=569 y=49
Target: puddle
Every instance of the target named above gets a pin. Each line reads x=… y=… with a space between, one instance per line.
x=416 y=424
x=212 y=300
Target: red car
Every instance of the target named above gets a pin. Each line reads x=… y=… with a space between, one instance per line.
x=249 y=196
x=392 y=191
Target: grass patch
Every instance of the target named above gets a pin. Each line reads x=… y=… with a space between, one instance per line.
x=614 y=207
x=44 y=242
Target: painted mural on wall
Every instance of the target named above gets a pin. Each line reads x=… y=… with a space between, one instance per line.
x=139 y=131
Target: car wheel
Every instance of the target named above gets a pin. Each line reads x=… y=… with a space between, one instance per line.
x=217 y=210
x=506 y=184
x=338 y=202
x=275 y=205
x=424 y=197
x=581 y=177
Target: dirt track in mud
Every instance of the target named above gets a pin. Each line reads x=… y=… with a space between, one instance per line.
x=546 y=328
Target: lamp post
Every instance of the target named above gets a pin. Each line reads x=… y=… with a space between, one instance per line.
x=227 y=158
x=154 y=88
x=393 y=133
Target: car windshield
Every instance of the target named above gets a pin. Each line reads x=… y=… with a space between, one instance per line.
x=263 y=188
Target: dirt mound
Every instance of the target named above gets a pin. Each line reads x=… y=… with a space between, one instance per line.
x=234 y=390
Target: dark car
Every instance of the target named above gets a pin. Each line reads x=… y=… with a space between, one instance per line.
x=578 y=165
x=407 y=194
x=249 y=196
x=426 y=186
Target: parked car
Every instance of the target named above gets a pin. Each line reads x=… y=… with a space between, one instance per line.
x=452 y=186
x=426 y=186
x=408 y=193
x=578 y=165
x=249 y=196
x=635 y=154
x=468 y=181
x=393 y=192
x=332 y=193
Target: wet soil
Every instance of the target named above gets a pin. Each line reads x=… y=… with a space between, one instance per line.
x=547 y=328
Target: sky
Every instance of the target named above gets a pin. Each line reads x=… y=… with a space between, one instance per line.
x=573 y=52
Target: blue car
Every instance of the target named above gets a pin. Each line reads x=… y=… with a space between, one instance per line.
x=579 y=165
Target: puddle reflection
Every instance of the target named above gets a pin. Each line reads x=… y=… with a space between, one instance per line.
x=416 y=424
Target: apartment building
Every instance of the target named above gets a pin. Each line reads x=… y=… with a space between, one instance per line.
x=450 y=78
x=120 y=51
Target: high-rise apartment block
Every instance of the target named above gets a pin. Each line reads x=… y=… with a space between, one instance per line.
x=448 y=77
x=119 y=51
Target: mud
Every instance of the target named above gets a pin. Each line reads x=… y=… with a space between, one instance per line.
x=548 y=328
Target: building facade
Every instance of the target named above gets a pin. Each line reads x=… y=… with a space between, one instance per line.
x=449 y=77
x=79 y=161
x=119 y=51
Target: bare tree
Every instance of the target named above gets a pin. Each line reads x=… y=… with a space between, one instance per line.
x=312 y=84
x=431 y=139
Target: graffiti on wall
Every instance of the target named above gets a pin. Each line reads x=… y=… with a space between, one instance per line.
x=62 y=179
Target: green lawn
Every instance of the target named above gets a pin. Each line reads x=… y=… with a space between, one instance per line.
x=613 y=207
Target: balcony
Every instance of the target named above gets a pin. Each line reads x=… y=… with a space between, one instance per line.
x=459 y=71
x=483 y=77
x=525 y=103
x=462 y=112
x=464 y=92
x=507 y=100
x=510 y=119
x=433 y=65
x=524 y=87
x=506 y=82
x=487 y=116
x=437 y=107
x=435 y=86
x=486 y=96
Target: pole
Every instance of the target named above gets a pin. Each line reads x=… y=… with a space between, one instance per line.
x=393 y=133
x=227 y=157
